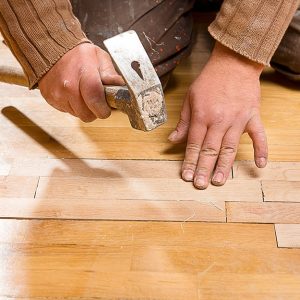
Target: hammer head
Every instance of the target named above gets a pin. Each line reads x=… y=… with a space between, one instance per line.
x=145 y=107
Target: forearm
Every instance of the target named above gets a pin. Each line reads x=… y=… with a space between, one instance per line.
x=253 y=29
x=39 y=33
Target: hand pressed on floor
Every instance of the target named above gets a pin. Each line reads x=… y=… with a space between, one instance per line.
x=75 y=83
x=221 y=104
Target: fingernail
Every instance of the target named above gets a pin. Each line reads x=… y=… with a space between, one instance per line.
x=187 y=175
x=218 y=178
x=261 y=162
x=200 y=182
x=172 y=136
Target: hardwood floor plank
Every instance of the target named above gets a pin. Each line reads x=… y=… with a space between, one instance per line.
x=144 y=189
x=5 y=166
x=198 y=260
x=125 y=233
x=289 y=171
x=281 y=191
x=96 y=168
x=288 y=235
x=102 y=285
x=113 y=260
x=94 y=209
x=18 y=186
x=266 y=212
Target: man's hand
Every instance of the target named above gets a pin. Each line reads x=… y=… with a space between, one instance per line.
x=74 y=83
x=222 y=104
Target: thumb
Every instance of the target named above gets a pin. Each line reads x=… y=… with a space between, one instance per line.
x=107 y=70
x=179 y=135
x=258 y=136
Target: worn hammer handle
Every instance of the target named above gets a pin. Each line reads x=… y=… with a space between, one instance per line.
x=16 y=76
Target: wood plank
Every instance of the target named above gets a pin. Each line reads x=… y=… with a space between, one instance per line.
x=95 y=209
x=281 y=191
x=266 y=212
x=201 y=259
x=5 y=166
x=273 y=171
x=125 y=233
x=90 y=284
x=72 y=259
x=288 y=235
x=250 y=286
x=144 y=189
x=96 y=168
x=18 y=186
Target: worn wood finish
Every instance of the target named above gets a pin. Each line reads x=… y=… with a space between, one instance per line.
x=266 y=212
x=288 y=235
x=281 y=191
x=126 y=260
x=274 y=171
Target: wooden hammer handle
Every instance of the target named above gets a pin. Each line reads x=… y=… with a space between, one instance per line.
x=16 y=76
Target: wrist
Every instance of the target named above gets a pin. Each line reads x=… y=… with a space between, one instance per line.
x=233 y=60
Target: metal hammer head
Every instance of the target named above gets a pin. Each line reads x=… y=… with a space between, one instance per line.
x=144 y=104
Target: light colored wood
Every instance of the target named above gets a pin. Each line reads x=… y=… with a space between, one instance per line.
x=112 y=260
x=96 y=168
x=17 y=186
x=110 y=209
x=144 y=189
x=288 y=235
x=289 y=171
x=266 y=212
x=5 y=166
x=281 y=191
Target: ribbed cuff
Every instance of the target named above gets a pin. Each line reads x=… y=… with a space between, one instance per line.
x=39 y=33
x=253 y=29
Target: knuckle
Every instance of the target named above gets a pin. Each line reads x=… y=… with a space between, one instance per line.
x=218 y=117
x=193 y=147
x=228 y=149
x=209 y=151
x=182 y=123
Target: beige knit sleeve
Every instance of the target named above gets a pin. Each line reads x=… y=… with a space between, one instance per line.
x=253 y=28
x=39 y=33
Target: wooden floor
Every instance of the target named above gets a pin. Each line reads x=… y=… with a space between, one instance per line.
x=98 y=211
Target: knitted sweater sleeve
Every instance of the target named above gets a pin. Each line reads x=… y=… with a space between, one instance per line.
x=39 y=33
x=251 y=28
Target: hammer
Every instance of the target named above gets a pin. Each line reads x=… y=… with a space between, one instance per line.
x=142 y=98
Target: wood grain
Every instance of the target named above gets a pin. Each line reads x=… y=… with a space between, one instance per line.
x=144 y=189
x=281 y=191
x=110 y=209
x=288 y=235
x=289 y=171
x=112 y=260
x=266 y=212
x=18 y=186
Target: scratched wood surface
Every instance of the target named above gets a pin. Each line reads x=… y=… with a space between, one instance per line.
x=61 y=180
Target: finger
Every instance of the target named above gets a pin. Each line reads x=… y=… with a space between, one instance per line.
x=107 y=70
x=258 y=136
x=92 y=92
x=81 y=111
x=208 y=156
x=227 y=155
x=195 y=138
x=179 y=135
